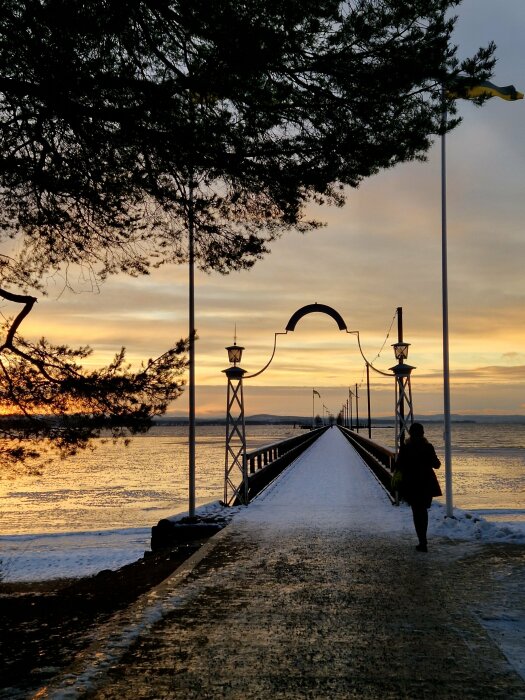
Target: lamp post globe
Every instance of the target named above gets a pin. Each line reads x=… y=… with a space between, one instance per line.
x=401 y=351
x=234 y=353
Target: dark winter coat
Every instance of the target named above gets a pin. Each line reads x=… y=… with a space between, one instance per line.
x=416 y=461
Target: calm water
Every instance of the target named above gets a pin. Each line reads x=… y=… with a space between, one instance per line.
x=115 y=486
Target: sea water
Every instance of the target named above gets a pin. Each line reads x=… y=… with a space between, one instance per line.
x=117 y=486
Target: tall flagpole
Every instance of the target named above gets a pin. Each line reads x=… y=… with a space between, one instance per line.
x=444 y=285
x=482 y=89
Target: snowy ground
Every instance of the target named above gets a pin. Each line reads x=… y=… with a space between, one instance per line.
x=69 y=555
x=323 y=491
x=43 y=557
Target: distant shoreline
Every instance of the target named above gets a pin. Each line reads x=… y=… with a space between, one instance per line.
x=377 y=422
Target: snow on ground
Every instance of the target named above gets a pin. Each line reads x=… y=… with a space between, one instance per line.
x=43 y=557
x=328 y=484
x=470 y=526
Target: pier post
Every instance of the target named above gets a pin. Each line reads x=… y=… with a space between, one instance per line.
x=404 y=411
x=368 y=400
x=356 y=410
x=235 y=466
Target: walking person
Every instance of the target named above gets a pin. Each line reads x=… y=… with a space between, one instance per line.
x=416 y=461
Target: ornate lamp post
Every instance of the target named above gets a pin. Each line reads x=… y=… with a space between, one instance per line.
x=235 y=460
x=404 y=410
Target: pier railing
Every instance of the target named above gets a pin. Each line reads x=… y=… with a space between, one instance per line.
x=378 y=458
x=267 y=462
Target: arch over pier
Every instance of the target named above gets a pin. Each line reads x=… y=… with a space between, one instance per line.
x=315 y=308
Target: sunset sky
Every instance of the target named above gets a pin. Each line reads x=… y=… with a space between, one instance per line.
x=381 y=251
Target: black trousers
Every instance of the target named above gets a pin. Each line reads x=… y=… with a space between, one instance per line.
x=420 y=515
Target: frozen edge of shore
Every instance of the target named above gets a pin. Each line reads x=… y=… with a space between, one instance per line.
x=49 y=556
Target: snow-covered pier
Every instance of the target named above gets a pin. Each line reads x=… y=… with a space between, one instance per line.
x=315 y=590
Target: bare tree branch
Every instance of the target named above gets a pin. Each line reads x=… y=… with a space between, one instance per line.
x=28 y=302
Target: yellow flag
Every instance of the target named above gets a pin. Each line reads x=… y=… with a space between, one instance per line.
x=486 y=89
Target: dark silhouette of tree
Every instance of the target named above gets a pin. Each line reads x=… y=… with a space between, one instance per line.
x=128 y=128
x=45 y=393
x=123 y=124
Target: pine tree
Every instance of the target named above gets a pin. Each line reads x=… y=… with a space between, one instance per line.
x=129 y=128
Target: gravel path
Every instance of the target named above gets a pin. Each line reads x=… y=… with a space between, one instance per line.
x=319 y=593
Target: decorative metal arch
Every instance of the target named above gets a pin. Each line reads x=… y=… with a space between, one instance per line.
x=315 y=308
x=235 y=462
x=296 y=317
